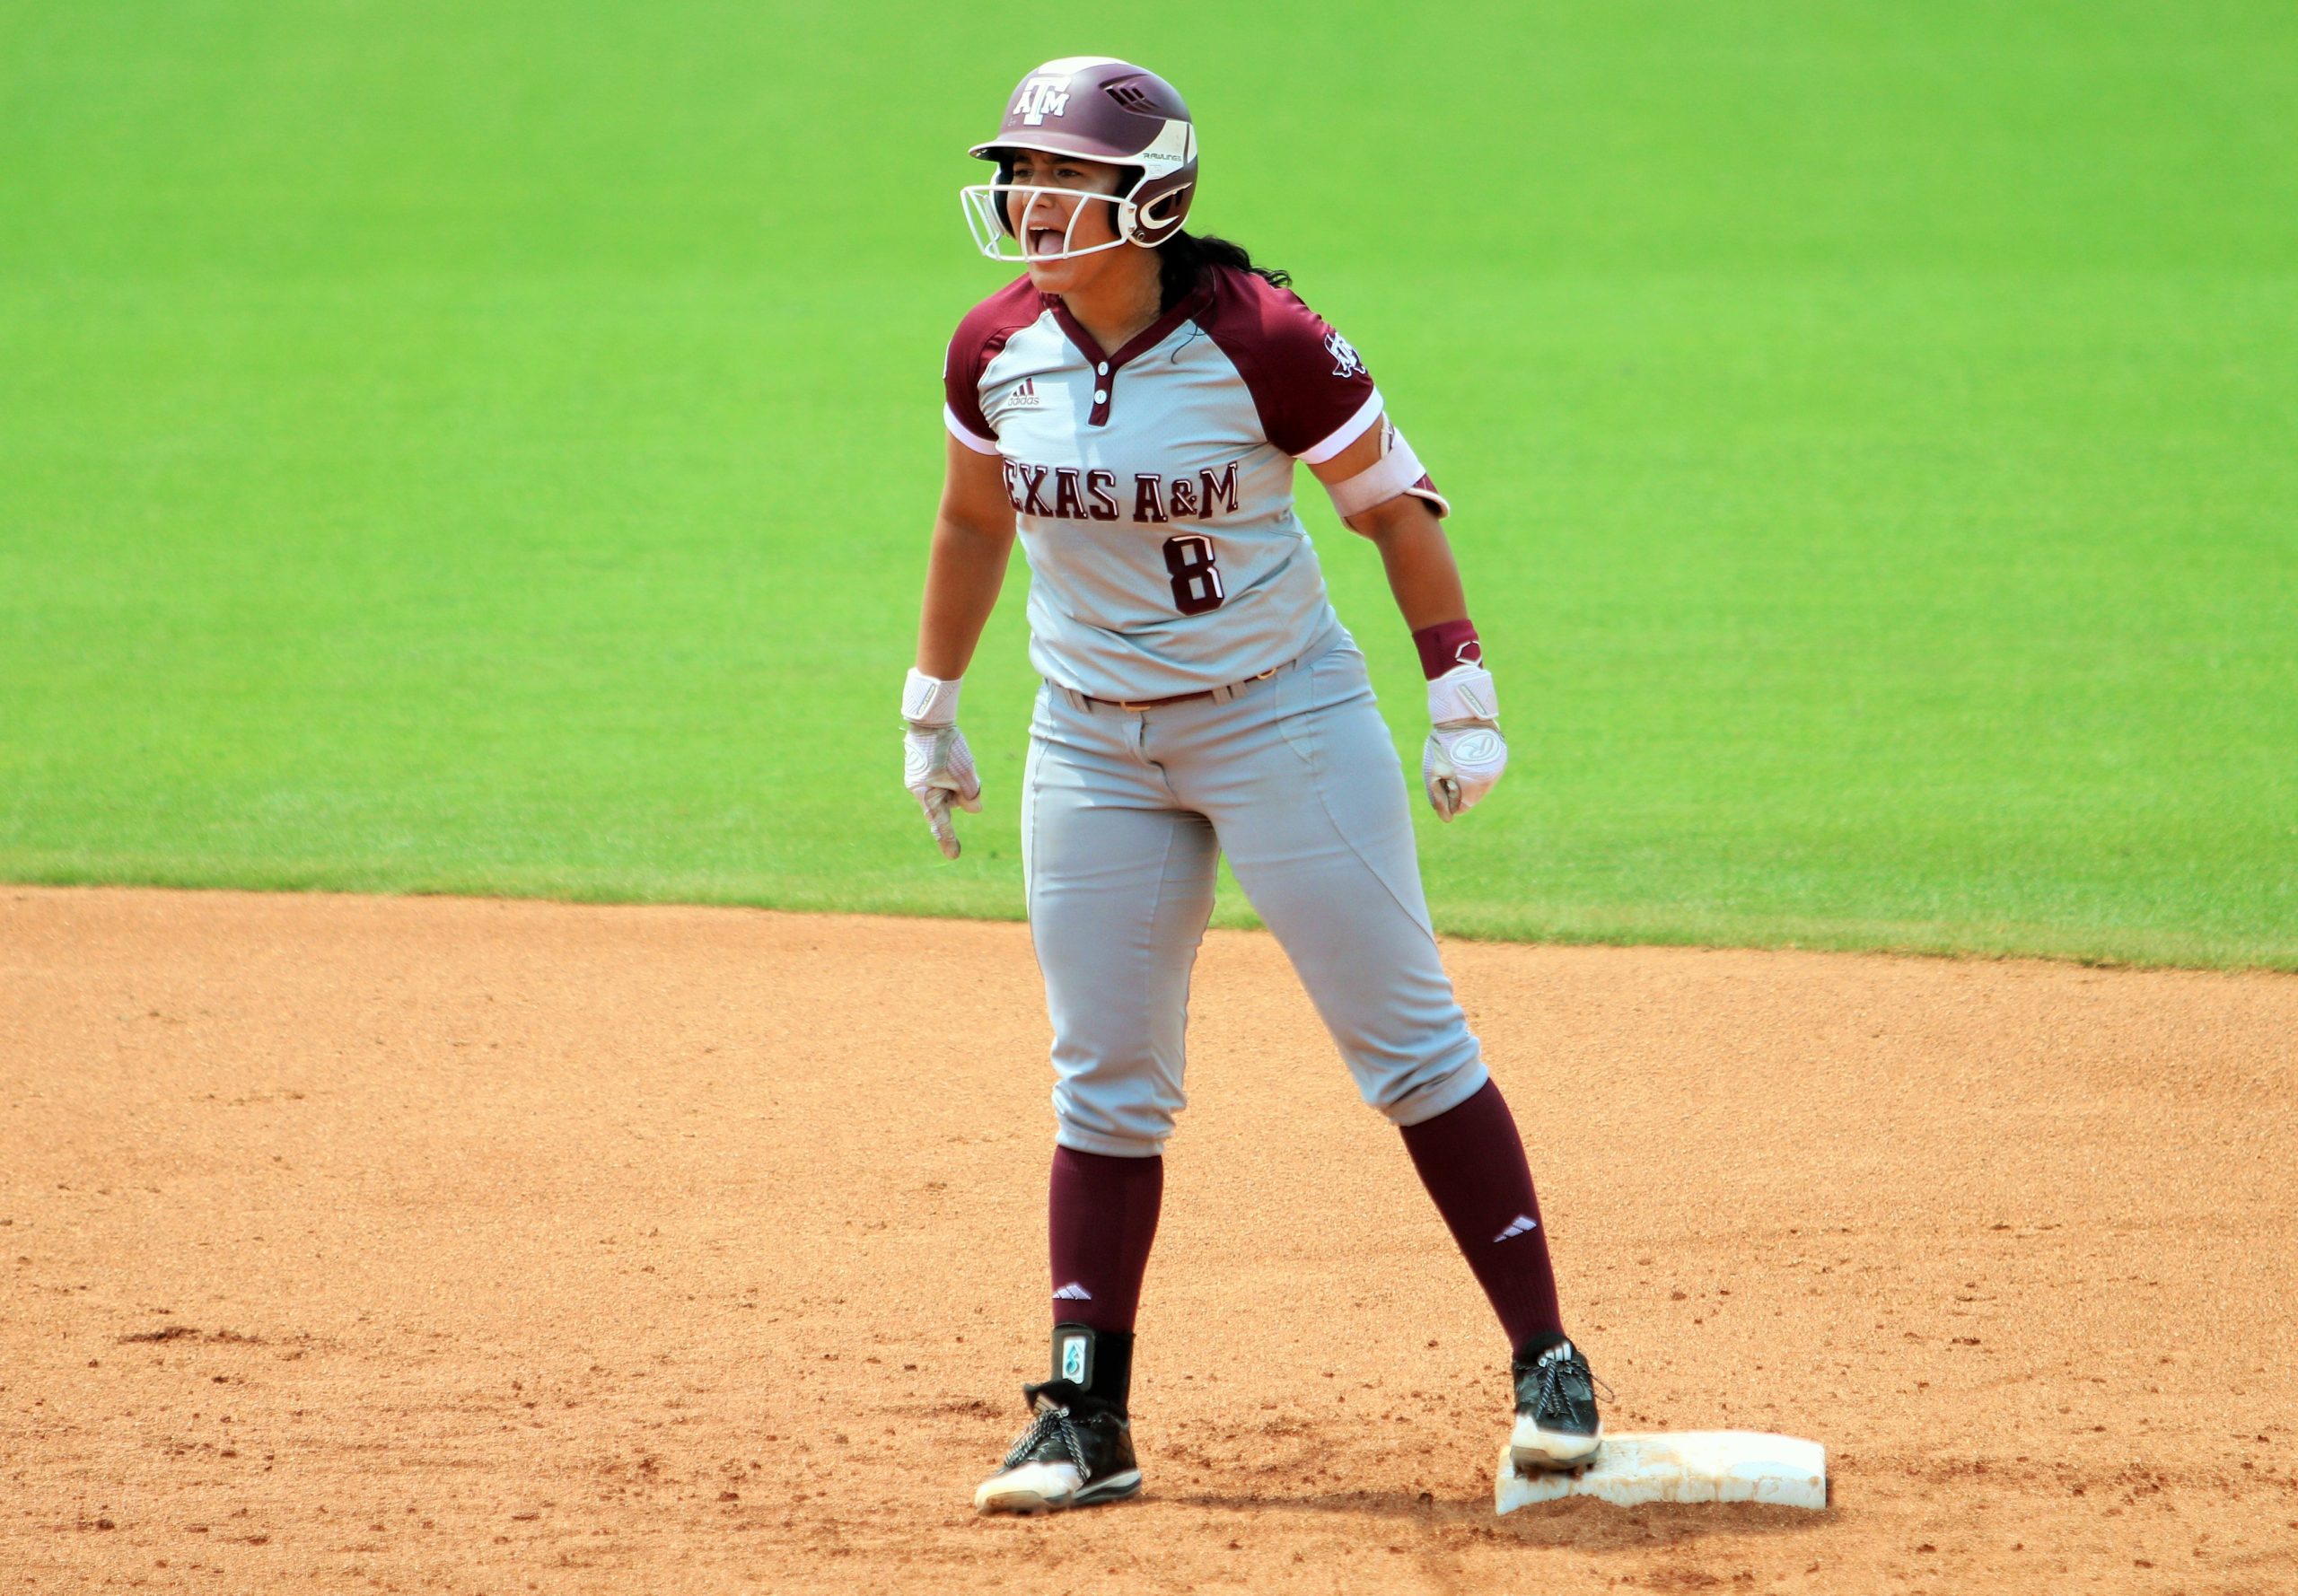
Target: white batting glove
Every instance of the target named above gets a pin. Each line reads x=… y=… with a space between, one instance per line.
x=1466 y=753
x=938 y=766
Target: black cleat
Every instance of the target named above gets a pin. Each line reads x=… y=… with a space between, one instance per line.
x=1556 y=1423
x=1077 y=1452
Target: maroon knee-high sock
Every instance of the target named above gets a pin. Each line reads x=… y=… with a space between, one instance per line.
x=1103 y=1217
x=1472 y=1162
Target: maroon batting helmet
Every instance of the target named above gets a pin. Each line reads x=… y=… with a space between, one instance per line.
x=1103 y=110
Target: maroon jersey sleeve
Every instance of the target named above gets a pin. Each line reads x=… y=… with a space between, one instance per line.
x=1315 y=395
x=979 y=336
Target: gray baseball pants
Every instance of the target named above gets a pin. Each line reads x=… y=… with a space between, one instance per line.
x=1124 y=816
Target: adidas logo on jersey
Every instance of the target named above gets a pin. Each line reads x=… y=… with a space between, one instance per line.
x=1522 y=1224
x=1024 y=396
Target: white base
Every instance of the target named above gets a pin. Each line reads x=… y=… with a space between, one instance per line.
x=1685 y=1466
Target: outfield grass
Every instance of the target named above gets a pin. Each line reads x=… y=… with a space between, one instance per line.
x=490 y=449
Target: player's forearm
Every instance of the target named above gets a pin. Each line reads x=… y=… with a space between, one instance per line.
x=963 y=575
x=1419 y=560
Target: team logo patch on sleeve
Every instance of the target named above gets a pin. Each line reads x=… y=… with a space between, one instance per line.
x=1348 y=362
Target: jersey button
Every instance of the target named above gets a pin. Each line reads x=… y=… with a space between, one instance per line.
x=1102 y=369
x=1101 y=396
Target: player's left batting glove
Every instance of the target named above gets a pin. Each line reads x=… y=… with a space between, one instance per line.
x=937 y=767
x=1466 y=752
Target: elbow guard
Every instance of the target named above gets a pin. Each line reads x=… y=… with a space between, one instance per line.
x=1398 y=471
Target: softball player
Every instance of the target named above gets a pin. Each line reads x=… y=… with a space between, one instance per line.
x=1133 y=406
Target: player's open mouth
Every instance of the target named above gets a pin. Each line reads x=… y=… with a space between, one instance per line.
x=1045 y=241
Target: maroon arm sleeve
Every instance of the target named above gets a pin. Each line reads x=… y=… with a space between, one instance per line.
x=978 y=338
x=961 y=401
x=1311 y=388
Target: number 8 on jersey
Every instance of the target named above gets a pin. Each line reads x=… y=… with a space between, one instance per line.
x=1197 y=580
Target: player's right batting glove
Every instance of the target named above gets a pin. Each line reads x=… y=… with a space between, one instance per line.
x=938 y=766
x=1466 y=752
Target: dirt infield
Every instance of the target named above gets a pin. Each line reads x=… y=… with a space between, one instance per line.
x=440 y=1245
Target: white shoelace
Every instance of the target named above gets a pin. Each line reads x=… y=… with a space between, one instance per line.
x=1052 y=1421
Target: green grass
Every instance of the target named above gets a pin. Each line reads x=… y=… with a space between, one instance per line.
x=490 y=449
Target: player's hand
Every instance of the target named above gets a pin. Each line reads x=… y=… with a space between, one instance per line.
x=937 y=767
x=1466 y=753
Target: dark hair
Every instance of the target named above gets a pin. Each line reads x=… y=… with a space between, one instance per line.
x=1184 y=259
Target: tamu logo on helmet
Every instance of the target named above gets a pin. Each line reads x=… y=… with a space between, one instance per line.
x=1347 y=362
x=1041 y=97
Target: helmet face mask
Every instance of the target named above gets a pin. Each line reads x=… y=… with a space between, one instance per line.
x=989 y=210
x=1097 y=109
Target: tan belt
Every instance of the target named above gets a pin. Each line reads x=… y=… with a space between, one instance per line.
x=1220 y=695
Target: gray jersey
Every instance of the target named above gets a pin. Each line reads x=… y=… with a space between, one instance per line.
x=1152 y=487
